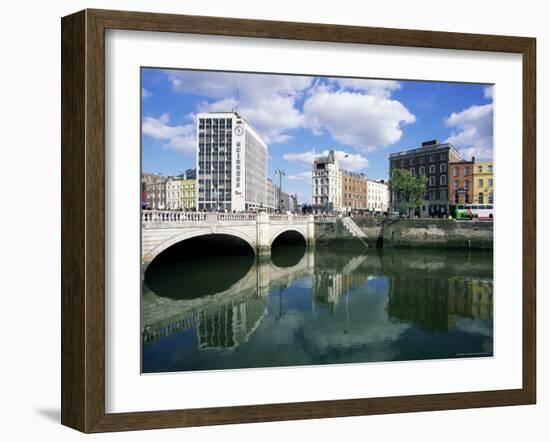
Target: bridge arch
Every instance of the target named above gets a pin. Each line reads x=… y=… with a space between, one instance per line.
x=289 y=234
x=195 y=233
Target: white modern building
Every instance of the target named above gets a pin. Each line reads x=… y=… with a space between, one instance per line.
x=377 y=196
x=231 y=163
x=326 y=182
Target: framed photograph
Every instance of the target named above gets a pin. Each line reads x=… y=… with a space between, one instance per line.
x=267 y=220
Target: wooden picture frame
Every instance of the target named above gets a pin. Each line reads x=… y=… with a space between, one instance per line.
x=83 y=219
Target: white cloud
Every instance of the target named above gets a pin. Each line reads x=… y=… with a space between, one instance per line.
x=145 y=94
x=302 y=176
x=346 y=160
x=488 y=92
x=365 y=121
x=472 y=131
x=268 y=102
x=180 y=138
x=304 y=157
x=225 y=105
x=379 y=88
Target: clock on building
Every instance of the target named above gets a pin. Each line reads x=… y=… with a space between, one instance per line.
x=239 y=130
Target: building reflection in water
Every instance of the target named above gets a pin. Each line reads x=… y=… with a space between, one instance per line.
x=231 y=325
x=427 y=291
x=436 y=303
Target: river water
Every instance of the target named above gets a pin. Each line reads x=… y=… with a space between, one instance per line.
x=317 y=307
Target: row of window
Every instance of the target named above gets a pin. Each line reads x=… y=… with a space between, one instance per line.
x=422 y=169
x=419 y=160
x=480 y=168
x=220 y=122
x=480 y=183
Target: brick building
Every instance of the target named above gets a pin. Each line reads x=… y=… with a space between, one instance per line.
x=432 y=160
x=462 y=182
x=354 y=191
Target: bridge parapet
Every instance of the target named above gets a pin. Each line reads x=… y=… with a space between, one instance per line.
x=171 y=216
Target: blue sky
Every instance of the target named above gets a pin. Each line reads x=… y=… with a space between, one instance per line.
x=298 y=115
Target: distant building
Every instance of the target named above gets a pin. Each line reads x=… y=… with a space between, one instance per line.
x=432 y=160
x=272 y=195
x=188 y=193
x=190 y=174
x=173 y=187
x=285 y=202
x=354 y=191
x=483 y=182
x=154 y=193
x=293 y=204
x=462 y=182
x=326 y=182
x=231 y=163
x=377 y=196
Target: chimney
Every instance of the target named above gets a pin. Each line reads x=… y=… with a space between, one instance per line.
x=473 y=159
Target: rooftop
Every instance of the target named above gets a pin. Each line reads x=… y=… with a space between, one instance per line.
x=425 y=148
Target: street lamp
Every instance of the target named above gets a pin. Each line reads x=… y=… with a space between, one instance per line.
x=281 y=174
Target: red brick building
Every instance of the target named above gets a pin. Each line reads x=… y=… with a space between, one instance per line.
x=461 y=182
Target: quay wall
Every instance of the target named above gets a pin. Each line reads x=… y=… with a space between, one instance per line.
x=425 y=233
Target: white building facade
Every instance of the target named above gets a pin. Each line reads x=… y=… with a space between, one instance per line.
x=173 y=188
x=377 y=196
x=327 y=184
x=231 y=163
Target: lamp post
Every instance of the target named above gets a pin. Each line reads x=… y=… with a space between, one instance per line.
x=281 y=173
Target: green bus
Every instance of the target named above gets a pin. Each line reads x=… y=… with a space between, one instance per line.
x=473 y=211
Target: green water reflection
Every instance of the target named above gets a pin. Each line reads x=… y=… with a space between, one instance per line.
x=317 y=307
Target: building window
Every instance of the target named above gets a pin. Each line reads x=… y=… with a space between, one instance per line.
x=442 y=157
x=421 y=160
x=490 y=182
x=422 y=171
x=431 y=158
x=480 y=198
x=466 y=185
x=455 y=171
x=432 y=168
x=480 y=182
x=490 y=198
x=432 y=181
x=490 y=167
x=443 y=194
x=412 y=171
x=466 y=170
x=411 y=161
x=431 y=195
x=443 y=167
x=443 y=180
x=480 y=168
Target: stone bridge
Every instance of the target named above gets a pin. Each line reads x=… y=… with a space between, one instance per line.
x=163 y=229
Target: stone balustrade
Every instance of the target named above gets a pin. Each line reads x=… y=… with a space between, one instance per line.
x=177 y=217
x=236 y=217
x=171 y=216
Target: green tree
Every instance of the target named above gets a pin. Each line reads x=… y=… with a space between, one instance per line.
x=410 y=189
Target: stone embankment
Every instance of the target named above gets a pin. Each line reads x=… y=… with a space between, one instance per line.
x=426 y=233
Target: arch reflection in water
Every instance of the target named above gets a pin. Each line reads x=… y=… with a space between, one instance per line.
x=328 y=307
